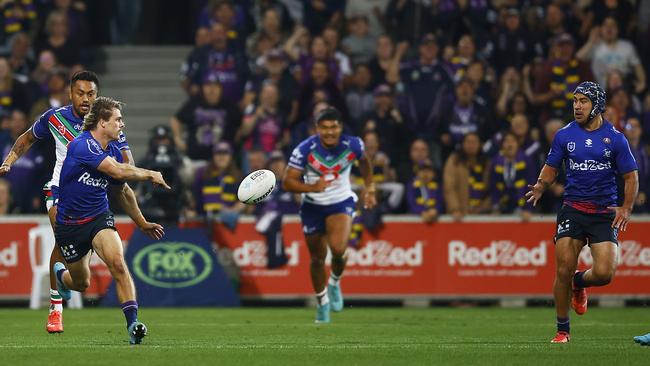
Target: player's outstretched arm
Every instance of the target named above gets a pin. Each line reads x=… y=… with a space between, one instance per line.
x=22 y=144
x=292 y=182
x=546 y=178
x=126 y=198
x=127 y=172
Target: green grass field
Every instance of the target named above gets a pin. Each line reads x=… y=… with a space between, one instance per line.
x=357 y=336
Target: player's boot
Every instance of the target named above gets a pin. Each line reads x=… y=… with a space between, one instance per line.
x=322 y=314
x=336 y=297
x=579 y=300
x=54 y=322
x=561 y=337
x=643 y=340
x=137 y=331
x=65 y=293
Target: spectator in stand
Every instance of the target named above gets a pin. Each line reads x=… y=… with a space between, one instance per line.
x=6 y=205
x=481 y=76
x=270 y=28
x=409 y=20
x=621 y=11
x=621 y=108
x=21 y=58
x=512 y=44
x=373 y=9
x=32 y=167
x=457 y=17
x=419 y=151
x=553 y=27
x=359 y=44
x=383 y=58
x=464 y=116
x=203 y=122
x=464 y=55
x=389 y=191
x=427 y=87
x=633 y=132
x=47 y=63
x=13 y=94
x=75 y=12
x=466 y=179
x=265 y=126
x=57 y=95
x=318 y=14
x=318 y=52
x=215 y=187
x=607 y=52
x=260 y=10
x=332 y=36
x=17 y=16
x=510 y=86
x=235 y=19
x=510 y=174
x=561 y=74
x=254 y=159
x=320 y=87
x=389 y=124
x=221 y=61
x=58 y=40
x=359 y=96
x=423 y=193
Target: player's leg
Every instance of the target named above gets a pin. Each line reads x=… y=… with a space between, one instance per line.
x=605 y=255
x=567 y=250
x=317 y=253
x=55 y=316
x=74 y=275
x=108 y=245
x=338 y=228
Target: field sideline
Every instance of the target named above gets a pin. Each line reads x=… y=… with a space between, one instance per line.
x=357 y=336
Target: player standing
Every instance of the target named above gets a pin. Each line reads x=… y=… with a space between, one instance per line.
x=319 y=168
x=594 y=153
x=63 y=125
x=84 y=222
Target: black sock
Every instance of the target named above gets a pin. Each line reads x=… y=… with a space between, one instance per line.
x=563 y=324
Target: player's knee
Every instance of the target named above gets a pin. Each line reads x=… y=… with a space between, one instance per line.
x=81 y=284
x=602 y=277
x=565 y=272
x=117 y=267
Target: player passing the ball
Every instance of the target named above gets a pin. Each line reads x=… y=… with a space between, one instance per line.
x=83 y=220
x=319 y=169
x=593 y=153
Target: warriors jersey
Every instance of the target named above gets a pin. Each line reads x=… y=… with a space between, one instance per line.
x=315 y=160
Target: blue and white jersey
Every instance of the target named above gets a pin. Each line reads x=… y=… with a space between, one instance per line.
x=592 y=160
x=82 y=187
x=63 y=125
x=334 y=164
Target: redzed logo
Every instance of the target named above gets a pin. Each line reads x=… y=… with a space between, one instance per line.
x=9 y=256
x=503 y=253
x=253 y=253
x=384 y=254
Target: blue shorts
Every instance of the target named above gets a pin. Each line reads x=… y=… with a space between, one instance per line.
x=313 y=216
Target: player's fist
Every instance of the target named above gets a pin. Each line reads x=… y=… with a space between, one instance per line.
x=321 y=185
x=4 y=169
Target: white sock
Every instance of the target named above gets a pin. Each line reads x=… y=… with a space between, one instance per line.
x=334 y=279
x=322 y=297
x=56 y=302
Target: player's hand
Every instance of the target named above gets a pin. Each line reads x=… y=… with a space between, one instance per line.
x=535 y=193
x=320 y=185
x=153 y=230
x=4 y=169
x=369 y=199
x=622 y=217
x=157 y=179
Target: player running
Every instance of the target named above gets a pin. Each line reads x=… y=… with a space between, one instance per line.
x=83 y=220
x=319 y=168
x=594 y=153
x=62 y=124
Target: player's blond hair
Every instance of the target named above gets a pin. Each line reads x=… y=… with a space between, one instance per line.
x=102 y=109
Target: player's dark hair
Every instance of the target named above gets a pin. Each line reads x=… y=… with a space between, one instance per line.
x=84 y=75
x=102 y=109
x=329 y=114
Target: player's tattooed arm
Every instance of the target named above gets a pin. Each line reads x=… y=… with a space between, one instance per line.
x=22 y=144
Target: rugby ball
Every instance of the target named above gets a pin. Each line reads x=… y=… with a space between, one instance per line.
x=256 y=187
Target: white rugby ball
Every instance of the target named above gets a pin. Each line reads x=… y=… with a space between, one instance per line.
x=256 y=187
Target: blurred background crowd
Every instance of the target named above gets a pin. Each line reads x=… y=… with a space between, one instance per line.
x=457 y=101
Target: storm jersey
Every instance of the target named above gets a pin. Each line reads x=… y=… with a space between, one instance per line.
x=334 y=164
x=592 y=160
x=82 y=187
x=63 y=125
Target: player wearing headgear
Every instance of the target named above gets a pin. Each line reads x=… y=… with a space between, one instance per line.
x=593 y=153
x=319 y=168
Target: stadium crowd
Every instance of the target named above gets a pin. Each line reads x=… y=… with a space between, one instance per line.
x=457 y=101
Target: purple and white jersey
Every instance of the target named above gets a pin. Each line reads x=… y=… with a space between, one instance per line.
x=63 y=125
x=592 y=160
x=82 y=187
x=334 y=164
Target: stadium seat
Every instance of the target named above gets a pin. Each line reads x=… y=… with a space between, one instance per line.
x=41 y=243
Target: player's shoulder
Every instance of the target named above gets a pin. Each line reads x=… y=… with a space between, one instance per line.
x=567 y=130
x=309 y=143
